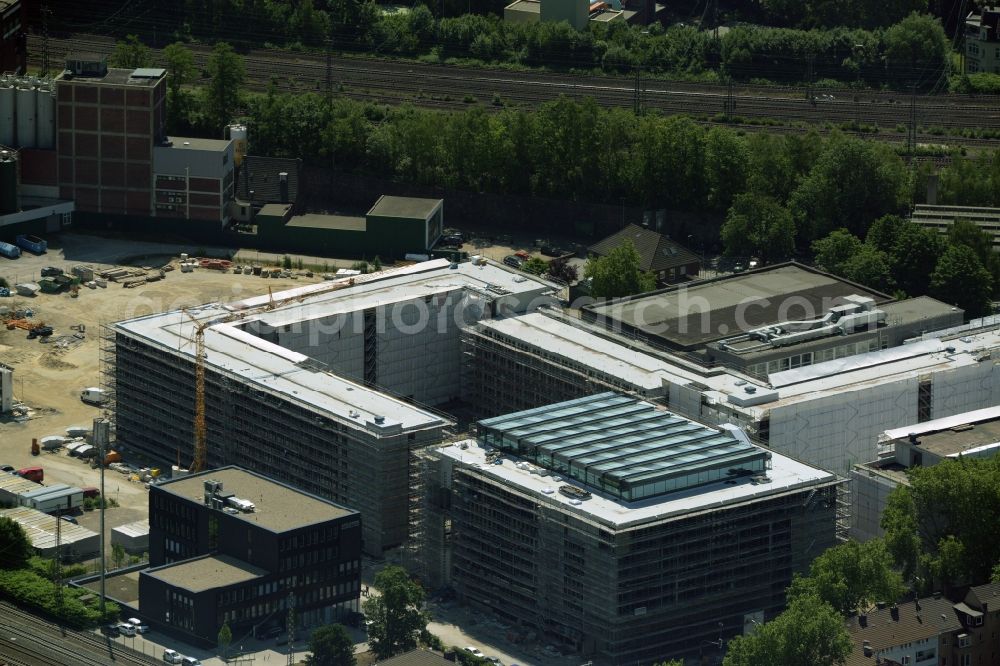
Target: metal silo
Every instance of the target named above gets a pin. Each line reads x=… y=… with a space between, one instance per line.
x=46 y=131
x=238 y=133
x=8 y=182
x=6 y=113
x=26 y=98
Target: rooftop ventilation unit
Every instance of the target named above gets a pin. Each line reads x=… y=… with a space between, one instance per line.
x=87 y=64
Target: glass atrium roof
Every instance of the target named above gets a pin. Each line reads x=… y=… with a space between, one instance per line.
x=622 y=445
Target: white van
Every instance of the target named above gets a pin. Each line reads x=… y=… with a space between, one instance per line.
x=93 y=396
x=172 y=657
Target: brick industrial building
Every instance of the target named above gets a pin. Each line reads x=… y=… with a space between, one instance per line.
x=232 y=546
x=115 y=156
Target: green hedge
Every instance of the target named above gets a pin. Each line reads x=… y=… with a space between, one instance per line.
x=29 y=590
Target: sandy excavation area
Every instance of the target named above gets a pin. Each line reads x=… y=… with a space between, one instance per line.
x=50 y=373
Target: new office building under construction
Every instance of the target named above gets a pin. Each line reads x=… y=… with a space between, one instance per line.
x=624 y=531
x=302 y=386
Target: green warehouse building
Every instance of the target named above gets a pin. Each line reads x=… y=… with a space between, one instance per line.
x=393 y=228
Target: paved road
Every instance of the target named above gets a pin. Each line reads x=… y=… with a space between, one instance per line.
x=27 y=640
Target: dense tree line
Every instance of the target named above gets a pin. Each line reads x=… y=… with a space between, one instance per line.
x=898 y=256
x=911 y=49
x=579 y=151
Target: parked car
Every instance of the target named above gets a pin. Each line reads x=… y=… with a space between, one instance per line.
x=139 y=626
x=69 y=519
x=111 y=630
x=512 y=261
x=49 y=271
x=494 y=660
x=172 y=657
x=475 y=652
x=190 y=661
x=126 y=629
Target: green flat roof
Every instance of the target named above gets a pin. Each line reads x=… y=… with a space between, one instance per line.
x=337 y=222
x=405 y=207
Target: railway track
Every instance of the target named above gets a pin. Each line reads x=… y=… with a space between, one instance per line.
x=28 y=640
x=441 y=87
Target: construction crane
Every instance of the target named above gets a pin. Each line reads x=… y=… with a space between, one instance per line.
x=200 y=447
x=198 y=463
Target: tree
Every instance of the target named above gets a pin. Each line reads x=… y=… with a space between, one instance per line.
x=869 y=267
x=851 y=576
x=618 y=273
x=394 y=613
x=834 y=251
x=809 y=632
x=964 y=232
x=117 y=554
x=224 y=639
x=15 y=548
x=227 y=72
x=535 y=266
x=884 y=231
x=331 y=645
x=942 y=526
x=131 y=54
x=725 y=166
x=759 y=226
x=913 y=255
x=960 y=278
x=917 y=49
x=852 y=184
x=560 y=269
x=180 y=72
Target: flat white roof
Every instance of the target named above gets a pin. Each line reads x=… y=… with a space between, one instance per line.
x=139 y=528
x=873 y=369
x=557 y=337
x=786 y=475
x=291 y=375
x=946 y=423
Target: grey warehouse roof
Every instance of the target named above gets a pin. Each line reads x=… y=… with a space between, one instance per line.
x=621 y=444
x=404 y=207
x=279 y=507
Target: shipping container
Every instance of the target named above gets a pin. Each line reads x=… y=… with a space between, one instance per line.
x=10 y=251
x=32 y=243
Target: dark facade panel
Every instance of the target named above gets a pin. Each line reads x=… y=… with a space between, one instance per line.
x=208 y=200
x=86 y=145
x=87 y=198
x=136 y=97
x=204 y=184
x=138 y=203
x=112 y=119
x=86 y=172
x=85 y=118
x=139 y=177
x=112 y=96
x=112 y=174
x=137 y=121
x=85 y=94
x=137 y=149
x=112 y=147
